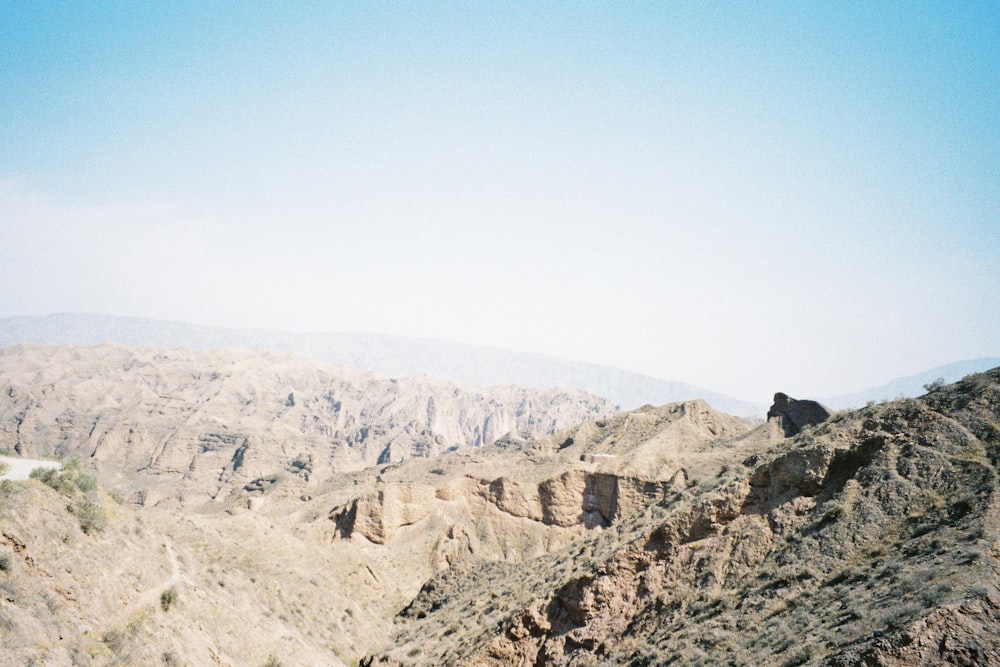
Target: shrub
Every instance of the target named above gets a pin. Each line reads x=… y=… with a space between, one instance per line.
x=91 y=515
x=167 y=598
x=67 y=481
x=115 y=640
x=5 y=562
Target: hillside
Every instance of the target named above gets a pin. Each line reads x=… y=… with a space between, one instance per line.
x=664 y=535
x=395 y=356
x=871 y=539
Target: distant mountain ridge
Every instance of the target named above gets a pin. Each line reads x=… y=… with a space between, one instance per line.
x=377 y=353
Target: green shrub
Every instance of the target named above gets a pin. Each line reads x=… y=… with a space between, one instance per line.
x=67 y=481
x=86 y=483
x=91 y=515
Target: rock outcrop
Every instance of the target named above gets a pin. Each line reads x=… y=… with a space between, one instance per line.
x=795 y=414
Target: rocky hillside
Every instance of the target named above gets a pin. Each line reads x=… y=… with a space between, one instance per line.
x=198 y=426
x=871 y=539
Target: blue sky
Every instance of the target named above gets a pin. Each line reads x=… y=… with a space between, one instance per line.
x=748 y=196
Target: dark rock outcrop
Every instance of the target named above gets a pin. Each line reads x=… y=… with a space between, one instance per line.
x=794 y=414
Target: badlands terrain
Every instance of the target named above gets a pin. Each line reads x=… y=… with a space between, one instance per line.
x=236 y=508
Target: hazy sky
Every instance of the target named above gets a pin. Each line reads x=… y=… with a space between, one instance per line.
x=746 y=196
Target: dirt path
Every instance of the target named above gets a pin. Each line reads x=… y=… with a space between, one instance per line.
x=151 y=595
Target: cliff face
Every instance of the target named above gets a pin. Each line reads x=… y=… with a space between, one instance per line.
x=197 y=426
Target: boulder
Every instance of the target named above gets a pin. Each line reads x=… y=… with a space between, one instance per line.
x=794 y=414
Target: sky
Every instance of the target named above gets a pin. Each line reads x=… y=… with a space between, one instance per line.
x=750 y=197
